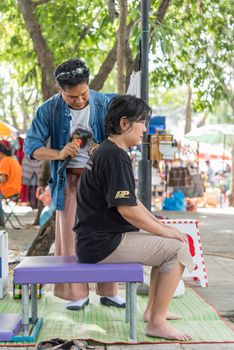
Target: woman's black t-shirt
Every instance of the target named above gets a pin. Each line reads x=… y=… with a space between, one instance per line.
x=107 y=182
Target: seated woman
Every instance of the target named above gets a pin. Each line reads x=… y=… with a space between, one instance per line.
x=114 y=227
x=10 y=178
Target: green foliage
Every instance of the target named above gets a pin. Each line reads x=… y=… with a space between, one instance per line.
x=17 y=103
x=194 y=46
x=63 y=23
x=16 y=49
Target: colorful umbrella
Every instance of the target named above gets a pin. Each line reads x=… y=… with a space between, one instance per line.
x=213 y=133
x=6 y=130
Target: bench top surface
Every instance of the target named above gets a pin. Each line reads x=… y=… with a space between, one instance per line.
x=66 y=269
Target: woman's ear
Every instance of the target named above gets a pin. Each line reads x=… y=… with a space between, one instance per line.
x=124 y=123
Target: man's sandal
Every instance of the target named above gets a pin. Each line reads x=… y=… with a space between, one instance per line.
x=50 y=344
x=108 y=302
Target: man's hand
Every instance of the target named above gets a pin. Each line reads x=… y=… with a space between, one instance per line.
x=172 y=232
x=71 y=149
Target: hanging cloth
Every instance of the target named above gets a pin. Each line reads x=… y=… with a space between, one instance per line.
x=134 y=87
x=180 y=177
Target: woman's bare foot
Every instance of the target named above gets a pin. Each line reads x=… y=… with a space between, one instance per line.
x=164 y=330
x=172 y=316
x=169 y=316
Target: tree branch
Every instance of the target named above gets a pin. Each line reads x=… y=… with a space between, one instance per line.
x=40 y=2
x=129 y=63
x=163 y=7
x=121 y=47
x=188 y=112
x=159 y=15
x=44 y=54
x=113 y=13
x=107 y=66
x=83 y=34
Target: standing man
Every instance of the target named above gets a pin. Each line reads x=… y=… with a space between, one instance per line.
x=74 y=106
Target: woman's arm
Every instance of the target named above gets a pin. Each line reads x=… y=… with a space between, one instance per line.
x=147 y=212
x=140 y=217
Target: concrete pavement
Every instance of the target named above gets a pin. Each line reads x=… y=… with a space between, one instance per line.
x=217 y=236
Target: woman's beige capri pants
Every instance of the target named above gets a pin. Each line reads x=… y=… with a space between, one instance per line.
x=151 y=250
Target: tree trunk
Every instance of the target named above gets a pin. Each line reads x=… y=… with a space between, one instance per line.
x=203 y=120
x=163 y=7
x=98 y=81
x=44 y=55
x=159 y=17
x=188 y=112
x=129 y=64
x=40 y=207
x=44 y=239
x=231 y=196
x=121 y=48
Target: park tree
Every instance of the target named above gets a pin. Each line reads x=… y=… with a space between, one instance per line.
x=193 y=48
x=37 y=35
x=17 y=101
x=189 y=42
x=121 y=47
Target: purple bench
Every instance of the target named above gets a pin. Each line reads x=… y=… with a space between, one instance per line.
x=66 y=269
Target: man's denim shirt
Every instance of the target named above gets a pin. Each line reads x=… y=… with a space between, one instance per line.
x=52 y=121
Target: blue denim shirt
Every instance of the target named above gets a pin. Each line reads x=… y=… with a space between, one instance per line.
x=52 y=122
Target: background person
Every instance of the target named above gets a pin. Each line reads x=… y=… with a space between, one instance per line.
x=210 y=173
x=19 y=148
x=31 y=173
x=10 y=177
x=43 y=195
x=75 y=106
x=114 y=227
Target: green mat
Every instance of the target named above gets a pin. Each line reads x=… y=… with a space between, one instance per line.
x=106 y=324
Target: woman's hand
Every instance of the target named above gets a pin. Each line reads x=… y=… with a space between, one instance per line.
x=172 y=232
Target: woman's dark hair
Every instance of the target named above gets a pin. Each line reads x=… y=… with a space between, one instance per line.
x=133 y=108
x=5 y=150
x=71 y=73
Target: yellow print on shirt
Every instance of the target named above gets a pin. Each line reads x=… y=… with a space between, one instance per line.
x=122 y=194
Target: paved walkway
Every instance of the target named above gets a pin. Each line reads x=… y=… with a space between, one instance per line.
x=217 y=234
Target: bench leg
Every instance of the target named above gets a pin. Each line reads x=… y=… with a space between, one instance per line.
x=34 y=303
x=25 y=309
x=127 y=300
x=133 y=312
